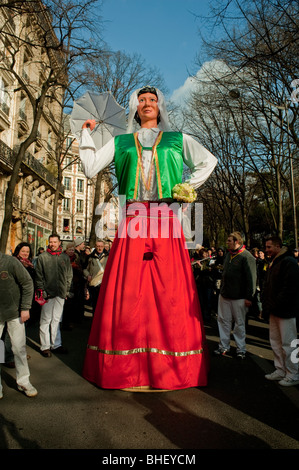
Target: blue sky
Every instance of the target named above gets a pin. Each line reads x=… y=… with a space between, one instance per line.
x=163 y=32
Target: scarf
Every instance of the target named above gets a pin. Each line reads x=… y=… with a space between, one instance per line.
x=58 y=252
x=25 y=262
x=236 y=252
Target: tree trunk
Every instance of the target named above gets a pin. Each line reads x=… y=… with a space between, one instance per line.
x=55 y=203
x=8 y=206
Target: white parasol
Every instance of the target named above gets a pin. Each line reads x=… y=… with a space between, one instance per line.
x=110 y=117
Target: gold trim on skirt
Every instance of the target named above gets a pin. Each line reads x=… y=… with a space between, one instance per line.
x=145 y=350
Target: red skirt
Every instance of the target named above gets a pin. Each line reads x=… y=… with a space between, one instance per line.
x=147 y=329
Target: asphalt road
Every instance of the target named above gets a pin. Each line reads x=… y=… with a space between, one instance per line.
x=239 y=409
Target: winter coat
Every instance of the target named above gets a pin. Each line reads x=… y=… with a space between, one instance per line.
x=239 y=276
x=54 y=275
x=16 y=288
x=96 y=267
x=280 y=295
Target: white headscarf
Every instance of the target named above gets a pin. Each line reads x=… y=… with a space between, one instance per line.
x=164 y=122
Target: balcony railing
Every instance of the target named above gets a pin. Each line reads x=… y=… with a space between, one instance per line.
x=8 y=156
x=40 y=211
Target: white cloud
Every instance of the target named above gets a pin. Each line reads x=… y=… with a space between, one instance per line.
x=209 y=69
x=181 y=95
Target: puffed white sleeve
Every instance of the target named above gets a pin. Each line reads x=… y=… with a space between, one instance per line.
x=94 y=161
x=200 y=161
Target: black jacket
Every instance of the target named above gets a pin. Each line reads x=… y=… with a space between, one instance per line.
x=280 y=295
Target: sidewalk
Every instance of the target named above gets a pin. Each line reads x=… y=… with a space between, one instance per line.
x=239 y=409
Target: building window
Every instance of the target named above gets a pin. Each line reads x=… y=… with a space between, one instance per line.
x=66 y=225
x=49 y=142
x=80 y=186
x=4 y=97
x=67 y=183
x=80 y=205
x=79 y=226
x=80 y=167
x=22 y=108
x=68 y=163
x=68 y=142
x=66 y=204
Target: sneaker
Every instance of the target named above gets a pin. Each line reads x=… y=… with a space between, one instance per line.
x=220 y=352
x=288 y=382
x=241 y=355
x=46 y=353
x=274 y=376
x=29 y=390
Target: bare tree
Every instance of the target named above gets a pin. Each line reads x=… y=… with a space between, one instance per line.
x=121 y=73
x=253 y=86
x=37 y=94
x=76 y=25
x=49 y=27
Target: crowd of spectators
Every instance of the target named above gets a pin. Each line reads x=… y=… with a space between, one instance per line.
x=207 y=264
x=51 y=290
x=238 y=283
x=81 y=280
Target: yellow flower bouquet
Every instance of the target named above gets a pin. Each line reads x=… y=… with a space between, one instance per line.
x=184 y=192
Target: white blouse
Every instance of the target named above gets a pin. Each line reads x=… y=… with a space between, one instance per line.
x=200 y=161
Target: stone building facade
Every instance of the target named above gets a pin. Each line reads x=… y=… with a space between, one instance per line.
x=23 y=56
x=34 y=193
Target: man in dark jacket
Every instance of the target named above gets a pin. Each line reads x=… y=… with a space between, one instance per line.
x=95 y=270
x=80 y=251
x=54 y=276
x=236 y=295
x=281 y=306
x=16 y=293
x=80 y=282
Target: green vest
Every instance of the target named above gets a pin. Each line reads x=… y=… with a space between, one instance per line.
x=168 y=160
